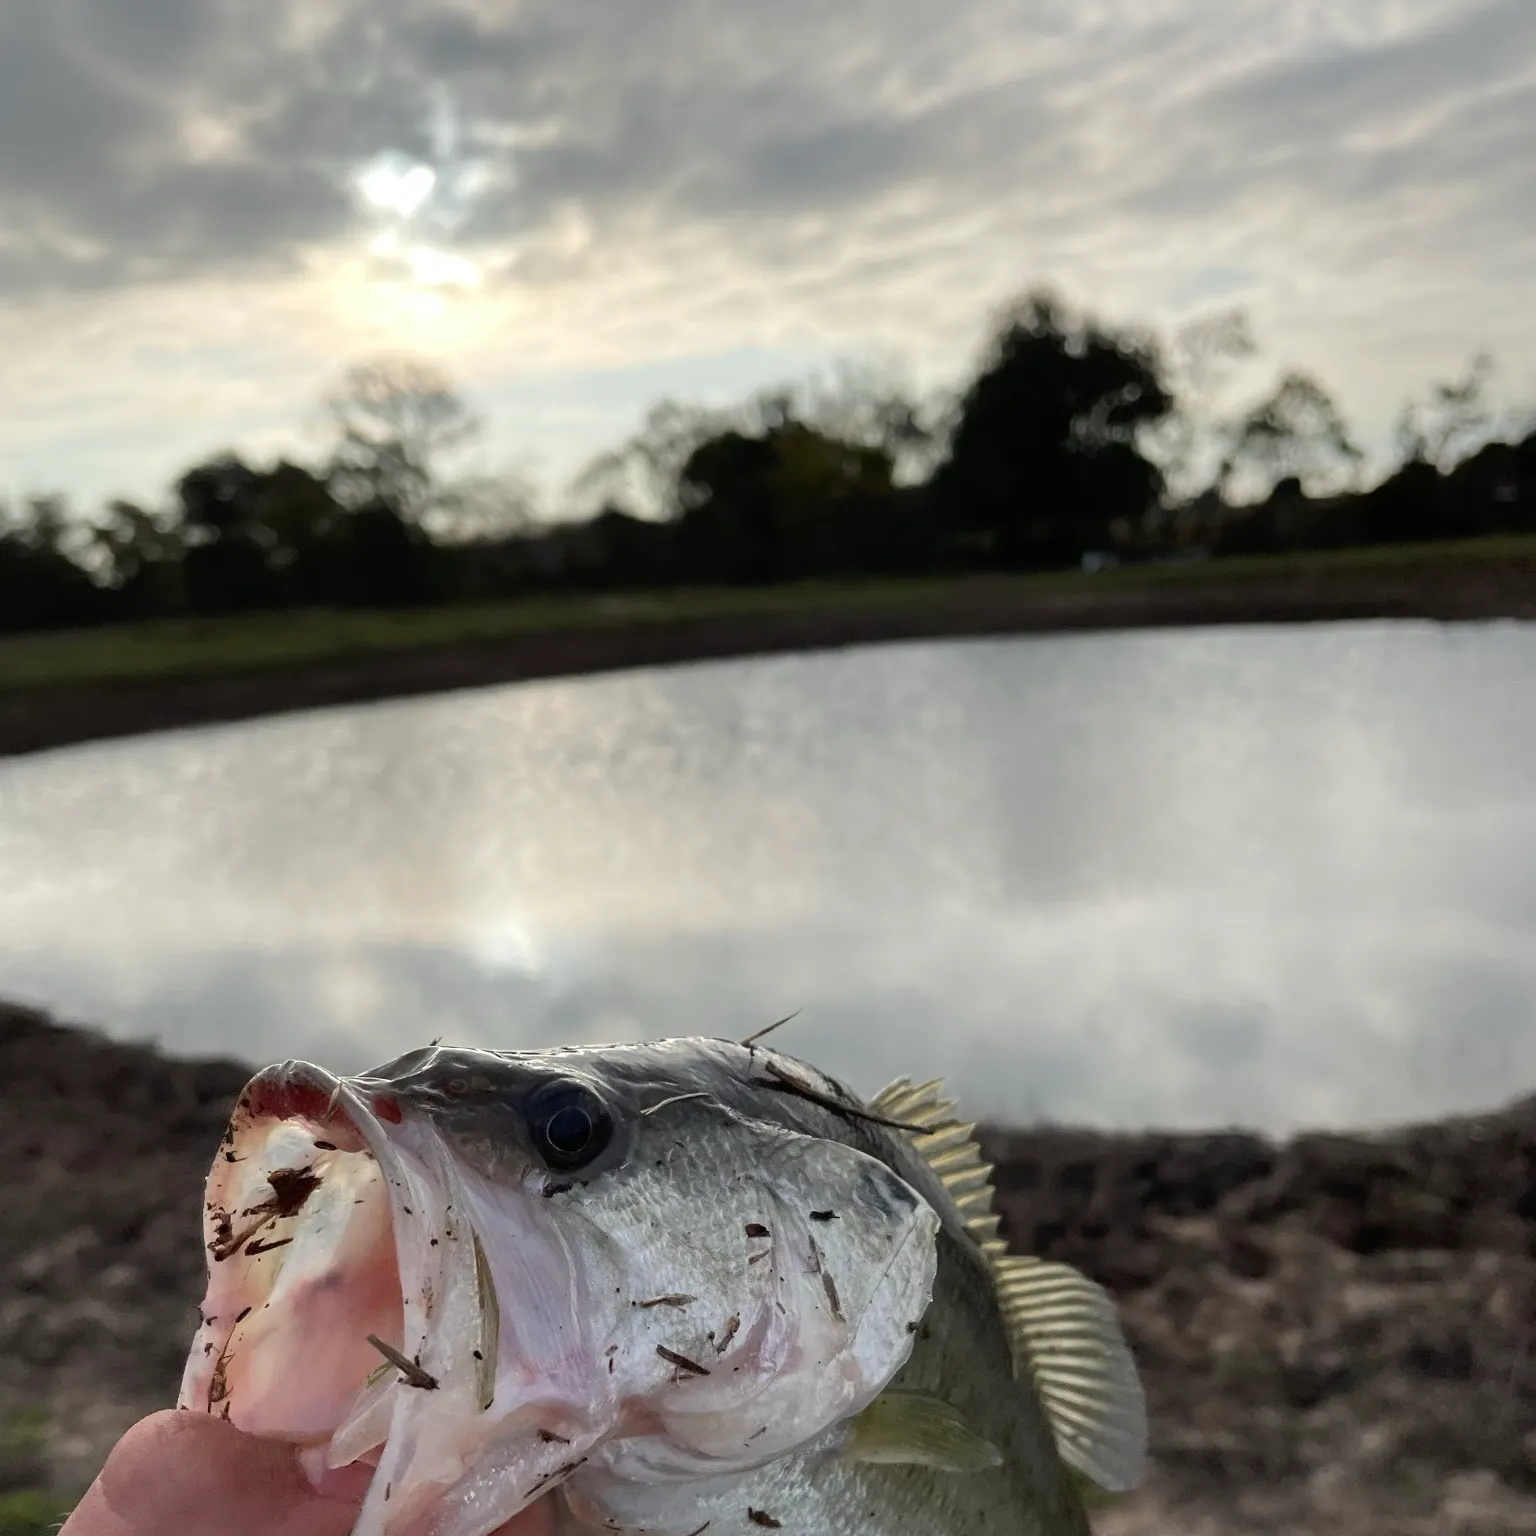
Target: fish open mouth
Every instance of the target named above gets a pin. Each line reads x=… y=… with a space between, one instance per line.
x=352 y=1308
x=303 y=1263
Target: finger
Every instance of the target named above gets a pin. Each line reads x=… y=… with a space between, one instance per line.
x=536 y=1520
x=198 y=1476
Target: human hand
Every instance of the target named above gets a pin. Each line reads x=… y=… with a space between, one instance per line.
x=185 y=1474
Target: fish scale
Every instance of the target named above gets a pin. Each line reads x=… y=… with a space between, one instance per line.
x=670 y=1287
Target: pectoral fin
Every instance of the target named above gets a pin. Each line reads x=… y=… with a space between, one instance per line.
x=914 y=1429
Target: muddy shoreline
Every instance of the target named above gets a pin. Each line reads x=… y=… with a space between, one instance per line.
x=1456 y=589
x=1336 y=1332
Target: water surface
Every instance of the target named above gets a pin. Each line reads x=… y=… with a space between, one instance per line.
x=1272 y=876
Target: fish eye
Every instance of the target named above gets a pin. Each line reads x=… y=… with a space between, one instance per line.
x=570 y=1125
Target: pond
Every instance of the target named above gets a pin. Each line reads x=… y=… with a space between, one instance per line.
x=1278 y=877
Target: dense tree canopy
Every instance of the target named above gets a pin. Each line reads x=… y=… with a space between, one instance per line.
x=1045 y=459
x=1072 y=437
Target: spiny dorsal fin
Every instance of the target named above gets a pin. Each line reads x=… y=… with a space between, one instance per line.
x=1063 y=1329
x=951 y=1152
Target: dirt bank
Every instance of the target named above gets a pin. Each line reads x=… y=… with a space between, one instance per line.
x=1336 y=1333
x=1461 y=583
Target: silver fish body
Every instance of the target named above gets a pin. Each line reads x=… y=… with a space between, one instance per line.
x=662 y=1286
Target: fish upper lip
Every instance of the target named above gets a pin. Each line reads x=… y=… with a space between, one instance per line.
x=300 y=1089
x=290 y=1088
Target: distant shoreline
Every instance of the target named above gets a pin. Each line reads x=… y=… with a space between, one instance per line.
x=58 y=691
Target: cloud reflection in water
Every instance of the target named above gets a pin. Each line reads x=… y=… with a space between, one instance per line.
x=1276 y=877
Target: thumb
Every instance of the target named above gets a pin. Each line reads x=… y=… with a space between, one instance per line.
x=198 y=1476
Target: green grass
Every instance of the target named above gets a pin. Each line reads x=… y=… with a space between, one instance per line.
x=27 y=1511
x=169 y=647
x=32 y=1512
x=188 y=646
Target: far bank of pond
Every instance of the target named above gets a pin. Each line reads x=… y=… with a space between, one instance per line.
x=60 y=689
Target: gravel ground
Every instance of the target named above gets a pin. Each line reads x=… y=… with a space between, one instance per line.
x=1336 y=1333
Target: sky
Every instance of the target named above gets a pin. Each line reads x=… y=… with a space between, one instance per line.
x=576 y=207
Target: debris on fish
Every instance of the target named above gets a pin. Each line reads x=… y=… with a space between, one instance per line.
x=661 y=1285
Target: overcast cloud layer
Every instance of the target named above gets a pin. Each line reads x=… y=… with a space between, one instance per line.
x=207 y=207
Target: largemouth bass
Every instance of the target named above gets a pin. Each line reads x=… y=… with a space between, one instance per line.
x=668 y=1287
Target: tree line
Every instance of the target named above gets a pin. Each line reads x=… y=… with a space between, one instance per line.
x=1074 y=441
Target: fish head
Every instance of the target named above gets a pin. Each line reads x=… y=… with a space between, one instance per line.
x=618 y=1271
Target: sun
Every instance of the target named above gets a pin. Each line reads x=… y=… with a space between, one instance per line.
x=399 y=197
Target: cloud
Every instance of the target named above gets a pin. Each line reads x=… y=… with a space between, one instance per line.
x=105 y=180
x=679 y=180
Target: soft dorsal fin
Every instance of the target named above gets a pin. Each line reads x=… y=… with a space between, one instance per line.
x=1063 y=1329
x=1066 y=1332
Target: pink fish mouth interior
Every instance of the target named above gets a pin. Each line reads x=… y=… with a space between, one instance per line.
x=302 y=1265
x=352 y=1309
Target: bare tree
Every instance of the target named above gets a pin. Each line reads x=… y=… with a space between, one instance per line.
x=1205 y=350
x=43 y=525
x=1188 y=443
x=129 y=539
x=644 y=471
x=1296 y=431
x=866 y=405
x=858 y=403
x=481 y=508
x=1453 y=423
x=395 y=418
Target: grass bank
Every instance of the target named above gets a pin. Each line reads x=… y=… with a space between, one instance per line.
x=65 y=687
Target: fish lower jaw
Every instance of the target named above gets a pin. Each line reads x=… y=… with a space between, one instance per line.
x=301 y=1265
